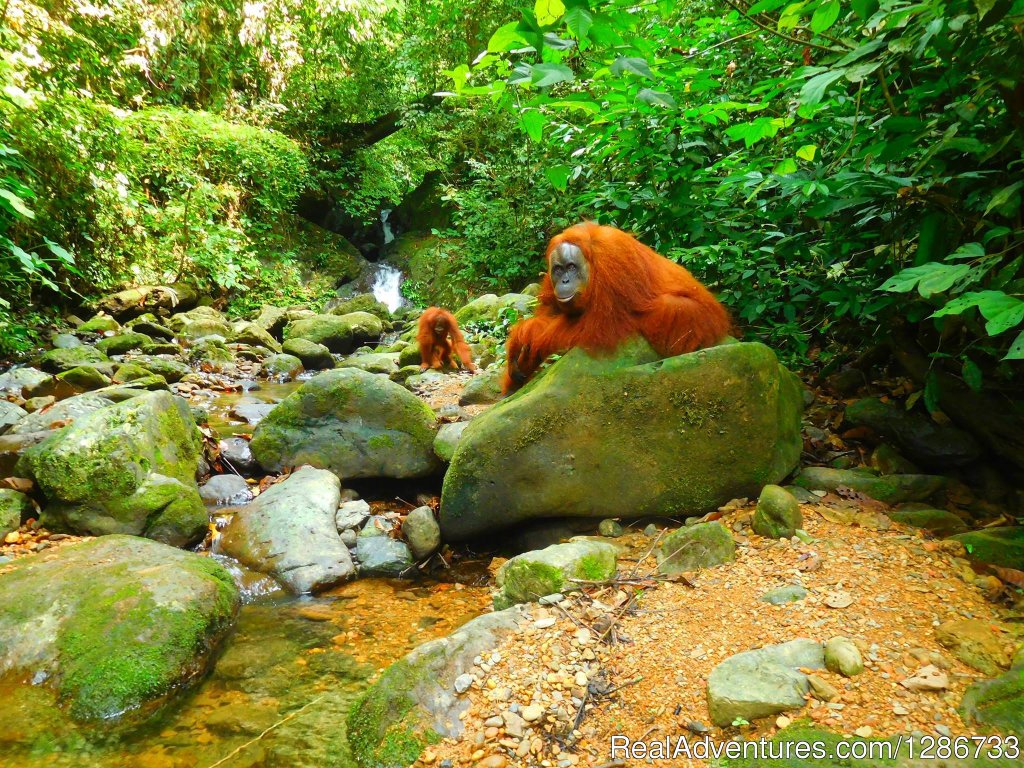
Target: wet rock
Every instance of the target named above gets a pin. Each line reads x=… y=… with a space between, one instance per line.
x=125 y=468
x=60 y=360
x=382 y=556
x=354 y=423
x=285 y=367
x=124 y=342
x=977 y=644
x=17 y=379
x=531 y=575
x=14 y=507
x=10 y=414
x=448 y=436
x=999 y=546
x=62 y=413
x=704 y=545
x=149 y=298
x=236 y=451
x=378 y=362
x=331 y=331
x=255 y=336
x=591 y=437
x=610 y=528
x=842 y=656
x=414 y=701
x=199 y=323
x=791 y=593
x=253 y=413
x=225 y=490
x=127 y=622
x=314 y=357
x=762 y=682
x=65 y=341
x=172 y=370
x=352 y=514
x=891 y=489
x=778 y=514
x=484 y=388
x=421 y=532
x=101 y=323
x=937 y=521
x=930 y=445
x=289 y=533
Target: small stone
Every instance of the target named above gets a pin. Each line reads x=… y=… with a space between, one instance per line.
x=696 y=727
x=493 y=761
x=899 y=709
x=493 y=722
x=783 y=722
x=544 y=623
x=463 y=682
x=842 y=656
x=651 y=531
x=532 y=712
x=943 y=730
x=581 y=679
x=553 y=599
x=821 y=688
x=864 y=731
x=610 y=528
x=838 y=599
x=514 y=724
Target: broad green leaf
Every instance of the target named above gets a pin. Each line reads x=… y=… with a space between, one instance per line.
x=864 y=8
x=764 y=6
x=533 y=121
x=505 y=38
x=1000 y=198
x=790 y=16
x=579 y=21
x=548 y=11
x=59 y=251
x=1001 y=311
x=558 y=175
x=825 y=15
x=814 y=89
x=972 y=374
x=657 y=98
x=785 y=166
x=17 y=204
x=634 y=64
x=545 y=75
x=1016 y=349
x=807 y=152
x=929 y=279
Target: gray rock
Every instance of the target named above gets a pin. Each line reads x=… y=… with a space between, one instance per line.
x=382 y=556
x=236 y=451
x=17 y=379
x=253 y=413
x=778 y=514
x=704 y=545
x=842 y=656
x=532 y=575
x=225 y=490
x=60 y=360
x=114 y=623
x=282 y=366
x=10 y=414
x=421 y=532
x=791 y=593
x=762 y=682
x=447 y=440
x=66 y=341
x=289 y=533
x=610 y=528
x=349 y=537
x=484 y=388
x=352 y=514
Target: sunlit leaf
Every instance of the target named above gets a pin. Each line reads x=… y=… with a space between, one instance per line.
x=657 y=98
x=825 y=15
x=1000 y=310
x=16 y=204
x=533 y=123
x=579 y=21
x=505 y=38
x=634 y=64
x=929 y=279
x=549 y=74
x=558 y=175
x=548 y=11
x=814 y=89
x=807 y=152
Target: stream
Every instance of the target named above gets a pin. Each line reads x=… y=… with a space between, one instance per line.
x=281 y=689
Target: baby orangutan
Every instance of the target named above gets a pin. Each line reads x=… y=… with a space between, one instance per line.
x=439 y=338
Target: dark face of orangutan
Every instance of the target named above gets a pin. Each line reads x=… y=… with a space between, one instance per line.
x=569 y=272
x=440 y=328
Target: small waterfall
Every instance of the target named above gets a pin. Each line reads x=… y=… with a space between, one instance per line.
x=387 y=282
x=389 y=236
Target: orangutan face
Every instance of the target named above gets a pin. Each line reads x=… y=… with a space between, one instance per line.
x=569 y=272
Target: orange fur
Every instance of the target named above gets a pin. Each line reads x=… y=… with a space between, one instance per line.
x=436 y=349
x=631 y=290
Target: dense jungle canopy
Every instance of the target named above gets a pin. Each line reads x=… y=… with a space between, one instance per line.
x=842 y=173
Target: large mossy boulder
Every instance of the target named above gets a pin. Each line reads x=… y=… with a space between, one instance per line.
x=354 y=423
x=314 y=356
x=13 y=507
x=998 y=546
x=61 y=414
x=123 y=342
x=199 y=322
x=60 y=360
x=125 y=468
x=289 y=532
x=488 y=309
x=629 y=435
x=997 y=704
x=254 y=335
x=558 y=568
x=484 y=388
x=363 y=302
x=115 y=623
x=414 y=702
x=148 y=298
x=331 y=331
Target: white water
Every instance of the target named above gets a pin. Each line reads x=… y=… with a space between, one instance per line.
x=389 y=236
x=387 y=281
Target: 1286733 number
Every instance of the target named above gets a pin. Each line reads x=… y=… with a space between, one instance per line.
x=963 y=747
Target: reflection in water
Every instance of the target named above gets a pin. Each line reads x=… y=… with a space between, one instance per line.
x=293 y=665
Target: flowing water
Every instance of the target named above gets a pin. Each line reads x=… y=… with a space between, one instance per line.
x=387 y=283
x=280 y=692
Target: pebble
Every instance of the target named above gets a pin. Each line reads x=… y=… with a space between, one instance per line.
x=493 y=761
x=552 y=599
x=864 y=731
x=463 y=682
x=532 y=712
x=548 y=621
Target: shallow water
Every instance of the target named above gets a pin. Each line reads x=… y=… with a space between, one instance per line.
x=290 y=671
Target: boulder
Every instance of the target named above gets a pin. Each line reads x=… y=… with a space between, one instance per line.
x=382 y=556
x=149 y=326
x=490 y=308
x=125 y=468
x=937 y=521
x=365 y=327
x=199 y=322
x=421 y=532
x=354 y=423
x=65 y=341
x=843 y=657
x=703 y=545
x=225 y=490
x=211 y=353
x=930 y=445
x=364 y=302
x=236 y=452
x=591 y=437
x=484 y=388
x=410 y=355
x=610 y=528
x=351 y=514
x=148 y=298
x=254 y=335
x=14 y=506
x=532 y=575
x=283 y=367
x=99 y=324
x=414 y=702
x=762 y=682
x=374 y=362
x=61 y=414
x=778 y=514
x=331 y=331
x=123 y=342
x=997 y=704
x=10 y=414
x=60 y=360
x=13 y=445
x=314 y=356
x=289 y=533
x=978 y=644
x=448 y=436
x=172 y=370
x=115 y=623
x=272 y=319
x=16 y=379
x=891 y=489
x=998 y=546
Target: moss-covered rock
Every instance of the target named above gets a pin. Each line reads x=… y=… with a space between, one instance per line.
x=447 y=439
x=409 y=355
x=284 y=367
x=484 y=388
x=938 y=521
x=366 y=327
x=532 y=575
x=314 y=357
x=172 y=370
x=364 y=302
x=115 y=623
x=704 y=545
x=84 y=378
x=414 y=703
x=130 y=372
x=891 y=489
x=125 y=468
x=354 y=423
x=123 y=342
x=148 y=325
x=211 y=354
x=332 y=331
x=99 y=324
x=999 y=546
x=374 y=362
x=254 y=335
x=602 y=436
x=13 y=507
x=272 y=319
x=489 y=308
x=149 y=299
x=996 y=704
x=778 y=513
x=60 y=360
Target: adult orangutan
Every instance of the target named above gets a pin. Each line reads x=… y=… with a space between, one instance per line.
x=439 y=337
x=602 y=286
